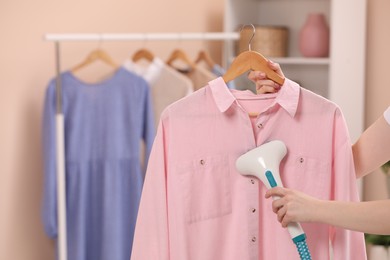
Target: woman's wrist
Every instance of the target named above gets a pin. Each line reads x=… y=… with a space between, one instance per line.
x=320 y=210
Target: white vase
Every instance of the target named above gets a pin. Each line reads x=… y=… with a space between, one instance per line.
x=379 y=253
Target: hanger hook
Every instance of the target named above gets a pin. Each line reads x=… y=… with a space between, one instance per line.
x=253 y=34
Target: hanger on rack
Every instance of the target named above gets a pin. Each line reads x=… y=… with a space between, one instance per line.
x=251 y=60
x=204 y=56
x=96 y=55
x=179 y=54
x=143 y=54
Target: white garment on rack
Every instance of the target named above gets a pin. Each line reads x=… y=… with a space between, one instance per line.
x=167 y=84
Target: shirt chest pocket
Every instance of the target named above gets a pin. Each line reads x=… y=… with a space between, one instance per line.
x=205 y=187
x=307 y=174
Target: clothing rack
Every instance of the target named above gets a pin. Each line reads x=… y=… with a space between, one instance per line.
x=60 y=144
x=141 y=36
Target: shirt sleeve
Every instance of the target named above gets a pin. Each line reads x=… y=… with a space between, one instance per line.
x=148 y=129
x=346 y=244
x=151 y=238
x=49 y=208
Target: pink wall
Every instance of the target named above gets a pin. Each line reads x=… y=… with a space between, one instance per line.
x=27 y=63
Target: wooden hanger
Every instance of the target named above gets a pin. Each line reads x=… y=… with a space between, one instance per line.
x=143 y=54
x=204 y=56
x=180 y=55
x=251 y=60
x=93 y=56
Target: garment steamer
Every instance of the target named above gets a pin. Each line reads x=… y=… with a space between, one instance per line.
x=263 y=163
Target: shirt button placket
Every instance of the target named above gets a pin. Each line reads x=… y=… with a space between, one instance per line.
x=253 y=217
x=261 y=121
x=260 y=124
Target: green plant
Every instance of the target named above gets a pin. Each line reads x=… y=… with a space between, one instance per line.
x=379 y=240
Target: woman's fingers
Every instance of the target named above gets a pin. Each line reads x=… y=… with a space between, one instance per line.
x=281 y=213
x=265 y=89
x=277 y=204
x=277 y=191
x=266 y=86
x=276 y=67
x=256 y=75
x=263 y=84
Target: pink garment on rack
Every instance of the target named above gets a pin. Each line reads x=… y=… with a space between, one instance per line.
x=196 y=206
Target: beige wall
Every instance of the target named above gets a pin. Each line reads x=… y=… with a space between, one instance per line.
x=377 y=88
x=27 y=63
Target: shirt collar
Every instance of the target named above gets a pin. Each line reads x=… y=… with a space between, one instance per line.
x=222 y=96
x=287 y=97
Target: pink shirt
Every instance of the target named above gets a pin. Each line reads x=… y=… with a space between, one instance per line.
x=196 y=206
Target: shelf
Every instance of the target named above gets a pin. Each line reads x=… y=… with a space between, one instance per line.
x=299 y=61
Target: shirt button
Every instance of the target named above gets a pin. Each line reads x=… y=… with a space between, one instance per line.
x=253 y=239
x=202 y=162
x=253 y=210
x=301 y=160
x=252 y=181
x=260 y=126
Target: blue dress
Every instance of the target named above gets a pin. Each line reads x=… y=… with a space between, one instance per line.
x=104 y=126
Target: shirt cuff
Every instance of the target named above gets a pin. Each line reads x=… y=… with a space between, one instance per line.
x=386 y=114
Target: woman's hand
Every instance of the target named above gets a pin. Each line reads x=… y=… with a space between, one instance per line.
x=263 y=84
x=293 y=206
